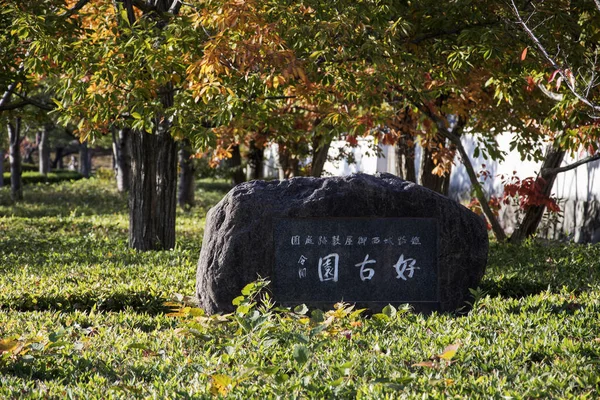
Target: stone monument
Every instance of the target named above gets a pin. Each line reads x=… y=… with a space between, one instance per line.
x=370 y=240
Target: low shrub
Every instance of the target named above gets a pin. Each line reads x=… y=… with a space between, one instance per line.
x=33 y=177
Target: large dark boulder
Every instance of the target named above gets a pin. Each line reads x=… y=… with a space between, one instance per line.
x=238 y=241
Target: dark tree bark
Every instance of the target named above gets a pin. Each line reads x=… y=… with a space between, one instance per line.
x=14 y=139
x=44 y=150
x=533 y=215
x=153 y=194
x=166 y=187
x=319 y=155
x=85 y=160
x=289 y=165
x=28 y=159
x=58 y=163
x=153 y=189
x=254 y=167
x=1 y=168
x=122 y=158
x=185 y=195
x=235 y=164
x=405 y=160
x=431 y=181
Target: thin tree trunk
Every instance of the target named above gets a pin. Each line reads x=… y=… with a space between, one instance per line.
x=319 y=157
x=185 y=196
x=84 y=160
x=16 y=185
x=254 y=167
x=289 y=166
x=235 y=163
x=1 y=168
x=428 y=179
x=122 y=159
x=479 y=193
x=533 y=215
x=57 y=163
x=44 y=150
x=405 y=160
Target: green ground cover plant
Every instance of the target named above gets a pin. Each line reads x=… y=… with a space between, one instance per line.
x=83 y=316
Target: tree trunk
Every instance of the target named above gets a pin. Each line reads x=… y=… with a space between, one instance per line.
x=533 y=215
x=289 y=165
x=431 y=181
x=122 y=159
x=405 y=160
x=254 y=168
x=152 y=195
x=479 y=193
x=235 y=163
x=16 y=185
x=57 y=163
x=44 y=150
x=85 y=162
x=185 y=196
x=1 y=168
x=28 y=159
x=166 y=187
x=319 y=157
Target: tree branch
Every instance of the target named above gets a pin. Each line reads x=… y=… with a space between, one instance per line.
x=553 y=171
x=479 y=192
x=13 y=106
x=454 y=31
x=552 y=61
x=73 y=10
x=37 y=103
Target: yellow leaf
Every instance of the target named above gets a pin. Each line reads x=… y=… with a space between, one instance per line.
x=302 y=75
x=7 y=345
x=449 y=351
x=220 y=384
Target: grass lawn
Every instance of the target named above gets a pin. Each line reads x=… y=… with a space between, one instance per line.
x=82 y=316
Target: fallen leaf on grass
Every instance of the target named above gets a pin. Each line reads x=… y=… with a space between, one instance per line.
x=221 y=384
x=428 y=364
x=8 y=345
x=449 y=351
x=446 y=355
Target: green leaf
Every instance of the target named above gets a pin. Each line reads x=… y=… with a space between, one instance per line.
x=301 y=354
x=136 y=115
x=389 y=310
x=317 y=316
x=301 y=309
x=248 y=289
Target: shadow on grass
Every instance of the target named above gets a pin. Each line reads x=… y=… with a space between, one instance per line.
x=535 y=267
x=138 y=302
x=81 y=197
x=513 y=287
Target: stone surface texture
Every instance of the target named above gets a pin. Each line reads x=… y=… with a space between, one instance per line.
x=238 y=237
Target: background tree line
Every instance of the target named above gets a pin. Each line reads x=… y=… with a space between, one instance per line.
x=167 y=81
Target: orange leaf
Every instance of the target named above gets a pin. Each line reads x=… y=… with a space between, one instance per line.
x=428 y=364
x=524 y=54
